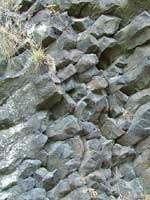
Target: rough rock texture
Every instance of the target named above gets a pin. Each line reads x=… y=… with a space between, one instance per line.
x=82 y=131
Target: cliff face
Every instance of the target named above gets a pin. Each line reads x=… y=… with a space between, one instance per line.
x=75 y=100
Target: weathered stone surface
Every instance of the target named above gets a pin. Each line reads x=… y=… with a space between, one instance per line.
x=28 y=167
x=73 y=55
x=26 y=184
x=105 y=25
x=106 y=42
x=86 y=61
x=87 y=43
x=65 y=156
x=34 y=194
x=45 y=179
x=68 y=40
x=110 y=129
x=66 y=73
x=86 y=76
x=138 y=99
x=20 y=142
x=74 y=100
x=81 y=24
x=141 y=163
x=137 y=71
x=64 y=128
x=130 y=190
x=140 y=127
x=90 y=130
x=97 y=84
x=23 y=103
x=116 y=103
x=122 y=154
x=95 y=156
x=136 y=33
x=93 y=107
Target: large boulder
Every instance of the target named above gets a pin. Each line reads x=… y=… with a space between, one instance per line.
x=20 y=142
x=41 y=93
x=136 y=33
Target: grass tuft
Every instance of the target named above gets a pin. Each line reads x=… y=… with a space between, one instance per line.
x=8 y=43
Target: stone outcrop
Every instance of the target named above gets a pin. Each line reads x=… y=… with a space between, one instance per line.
x=75 y=125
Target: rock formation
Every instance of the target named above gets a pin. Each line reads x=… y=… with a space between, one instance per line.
x=75 y=101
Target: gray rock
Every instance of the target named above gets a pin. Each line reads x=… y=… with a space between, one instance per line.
x=105 y=25
x=121 y=154
x=68 y=40
x=67 y=72
x=45 y=179
x=127 y=171
x=69 y=85
x=34 y=194
x=87 y=43
x=136 y=33
x=26 y=184
x=93 y=8
x=65 y=156
x=61 y=190
x=43 y=34
x=8 y=181
x=97 y=84
x=98 y=182
x=21 y=142
x=79 y=92
x=139 y=128
x=28 y=168
x=81 y=24
x=73 y=55
x=24 y=102
x=130 y=190
x=105 y=43
x=138 y=99
x=64 y=128
x=110 y=130
x=80 y=194
x=86 y=76
x=116 y=104
x=75 y=180
x=90 y=130
x=93 y=157
x=65 y=107
x=107 y=152
x=116 y=83
x=95 y=105
x=141 y=166
x=86 y=61
x=137 y=72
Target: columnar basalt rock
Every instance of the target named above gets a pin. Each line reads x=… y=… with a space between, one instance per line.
x=78 y=127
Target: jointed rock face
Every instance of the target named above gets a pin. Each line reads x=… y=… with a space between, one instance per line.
x=76 y=125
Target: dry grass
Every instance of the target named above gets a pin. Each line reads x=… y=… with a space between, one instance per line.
x=147 y=197
x=7 y=4
x=93 y=193
x=8 y=42
x=12 y=34
x=37 y=54
x=39 y=57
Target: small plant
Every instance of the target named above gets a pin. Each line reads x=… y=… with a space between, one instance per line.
x=128 y=115
x=8 y=43
x=37 y=55
x=147 y=197
x=53 y=6
x=7 y=4
x=93 y=193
